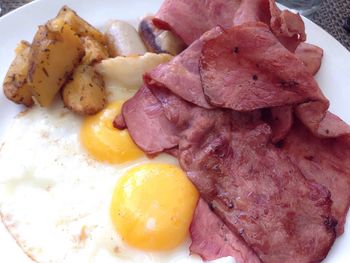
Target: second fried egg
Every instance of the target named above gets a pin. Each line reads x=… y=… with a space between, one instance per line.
x=56 y=200
x=63 y=178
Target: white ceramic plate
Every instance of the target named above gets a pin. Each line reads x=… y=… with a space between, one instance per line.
x=333 y=76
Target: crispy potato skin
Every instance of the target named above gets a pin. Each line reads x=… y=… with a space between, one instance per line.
x=60 y=58
x=78 y=25
x=94 y=51
x=85 y=94
x=16 y=87
x=52 y=59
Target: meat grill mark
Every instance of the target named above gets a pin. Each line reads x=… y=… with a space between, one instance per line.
x=289 y=84
x=211 y=238
x=326 y=161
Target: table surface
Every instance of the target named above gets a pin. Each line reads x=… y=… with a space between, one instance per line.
x=331 y=16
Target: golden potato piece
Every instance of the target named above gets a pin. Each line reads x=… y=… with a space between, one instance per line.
x=52 y=59
x=94 y=51
x=85 y=93
x=16 y=87
x=79 y=25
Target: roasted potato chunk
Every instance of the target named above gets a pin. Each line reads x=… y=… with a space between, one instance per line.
x=79 y=25
x=85 y=93
x=94 y=51
x=52 y=59
x=16 y=87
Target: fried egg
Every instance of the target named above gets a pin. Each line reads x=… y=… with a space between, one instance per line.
x=106 y=143
x=75 y=189
x=153 y=205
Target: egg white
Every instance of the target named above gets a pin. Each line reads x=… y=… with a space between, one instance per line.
x=55 y=198
x=53 y=193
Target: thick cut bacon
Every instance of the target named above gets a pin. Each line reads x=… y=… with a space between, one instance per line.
x=322 y=123
x=181 y=74
x=190 y=19
x=253 y=186
x=288 y=27
x=252 y=11
x=176 y=110
x=212 y=239
x=256 y=189
x=281 y=120
x=161 y=115
x=263 y=207
x=247 y=68
x=119 y=122
x=157 y=132
x=311 y=56
x=326 y=161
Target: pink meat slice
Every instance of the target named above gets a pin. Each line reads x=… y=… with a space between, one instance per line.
x=228 y=157
x=311 y=56
x=326 y=161
x=255 y=188
x=212 y=239
x=190 y=19
x=288 y=27
x=261 y=196
x=147 y=124
x=181 y=74
x=155 y=119
x=252 y=11
x=322 y=123
x=252 y=186
x=247 y=68
x=119 y=122
x=176 y=110
x=281 y=120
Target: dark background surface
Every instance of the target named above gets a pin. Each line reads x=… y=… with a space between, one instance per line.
x=331 y=16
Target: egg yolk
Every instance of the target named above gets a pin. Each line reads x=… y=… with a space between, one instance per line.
x=153 y=205
x=106 y=143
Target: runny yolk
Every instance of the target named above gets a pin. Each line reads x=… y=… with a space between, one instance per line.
x=153 y=205
x=106 y=143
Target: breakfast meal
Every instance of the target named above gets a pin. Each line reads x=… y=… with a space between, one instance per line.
x=200 y=136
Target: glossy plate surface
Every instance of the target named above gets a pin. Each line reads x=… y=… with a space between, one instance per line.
x=333 y=77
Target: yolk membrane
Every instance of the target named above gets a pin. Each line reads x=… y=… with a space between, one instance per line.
x=106 y=143
x=153 y=205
